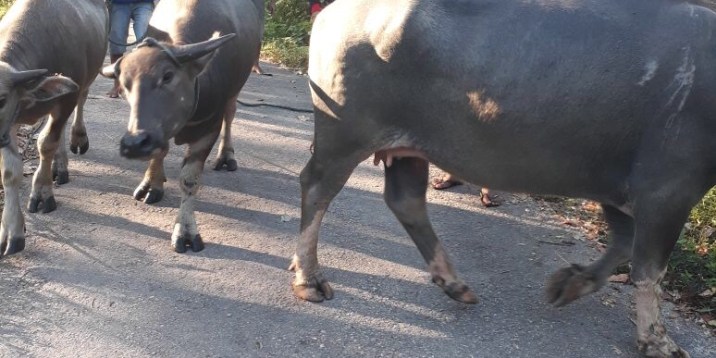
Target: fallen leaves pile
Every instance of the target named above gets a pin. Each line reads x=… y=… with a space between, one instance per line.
x=582 y=214
x=586 y=216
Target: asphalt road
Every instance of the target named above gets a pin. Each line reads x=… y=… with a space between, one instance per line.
x=98 y=277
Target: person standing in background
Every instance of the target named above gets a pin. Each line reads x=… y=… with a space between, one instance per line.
x=315 y=6
x=121 y=12
x=270 y=7
x=449 y=181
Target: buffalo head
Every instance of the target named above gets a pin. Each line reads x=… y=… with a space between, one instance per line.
x=23 y=91
x=160 y=82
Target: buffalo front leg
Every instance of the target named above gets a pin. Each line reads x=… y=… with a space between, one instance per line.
x=225 y=154
x=79 y=142
x=570 y=283
x=12 y=229
x=321 y=179
x=151 y=189
x=406 y=182
x=60 y=163
x=42 y=196
x=186 y=234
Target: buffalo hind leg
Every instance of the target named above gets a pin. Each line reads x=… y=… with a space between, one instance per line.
x=406 y=182
x=79 y=142
x=42 y=196
x=658 y=225
x=186 y=234
x=225 y=154
x=322 y=178
x=151 y=189
x=570 y=283
x=12 y=229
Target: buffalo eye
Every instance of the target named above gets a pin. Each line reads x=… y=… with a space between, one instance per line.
x=3 y=100
x=168 y=77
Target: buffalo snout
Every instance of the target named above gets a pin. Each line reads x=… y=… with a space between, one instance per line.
x=139 y=145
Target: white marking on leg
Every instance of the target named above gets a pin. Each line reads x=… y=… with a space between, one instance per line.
x=652 y=338
x=42 y=181
x=647 y=308
x=306 y=258
x=78 y=123
x=189 y=184
x=61 y=162
x=13 y=223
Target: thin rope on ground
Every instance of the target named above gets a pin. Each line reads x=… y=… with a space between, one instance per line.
x=279 y=106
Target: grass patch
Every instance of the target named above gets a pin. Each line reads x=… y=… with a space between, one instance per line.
x=287 y=52
x=692 y=268
x=286 y=35
x=4 y=5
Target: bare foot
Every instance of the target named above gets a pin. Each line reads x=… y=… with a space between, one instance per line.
x=486 y=199
x=114 y=92
x=259 y=71
x=445 y=182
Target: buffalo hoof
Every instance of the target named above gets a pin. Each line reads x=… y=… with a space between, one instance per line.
x=47 y=205
x=315 y=290
x=153 y=196
x=182 y=243
x=147 y=194
x=456 y=290
x=61 y=177
x=12 y=246
x=80 y=148
x=230 y=164
x=660 y=345
x=460 y=292
x=568 y=284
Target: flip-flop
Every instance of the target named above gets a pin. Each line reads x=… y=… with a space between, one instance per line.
x=440 y=184
x=487 y=201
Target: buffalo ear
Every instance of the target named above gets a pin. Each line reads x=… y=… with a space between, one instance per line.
x=111 y=71
x=198 y=54
x=19 y=78
x=48 y=89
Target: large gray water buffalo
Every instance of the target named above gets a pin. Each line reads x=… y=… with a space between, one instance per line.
x=50 y=52
x=182 y=83
x=610 y=100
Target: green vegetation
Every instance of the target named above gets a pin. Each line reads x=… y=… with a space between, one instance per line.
x=286 y=34
x=692 y=268
x=4 y=5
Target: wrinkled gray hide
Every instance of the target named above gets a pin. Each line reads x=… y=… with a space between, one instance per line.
x=610 y=100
